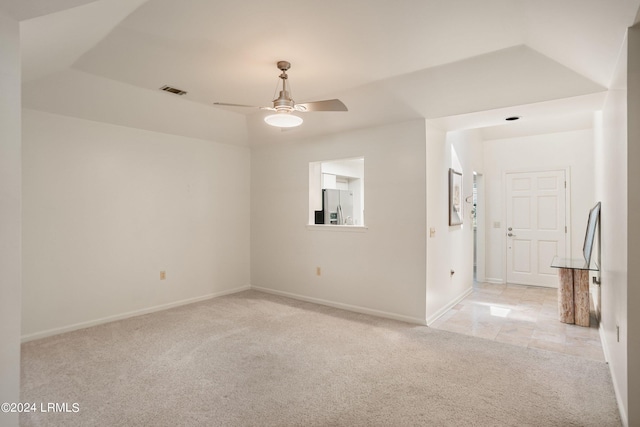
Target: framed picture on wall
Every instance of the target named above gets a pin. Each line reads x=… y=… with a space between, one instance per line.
x=455 y=197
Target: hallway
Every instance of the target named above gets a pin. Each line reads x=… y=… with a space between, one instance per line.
x=526 y=316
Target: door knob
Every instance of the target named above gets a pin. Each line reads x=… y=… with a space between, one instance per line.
x=511 y=235
x=510 y=229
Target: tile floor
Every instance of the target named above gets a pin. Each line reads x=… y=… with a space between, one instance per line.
x=521 y=315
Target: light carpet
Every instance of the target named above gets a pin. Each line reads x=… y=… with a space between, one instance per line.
x=255 y=359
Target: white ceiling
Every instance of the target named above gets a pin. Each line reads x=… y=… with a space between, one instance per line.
x=388 y=61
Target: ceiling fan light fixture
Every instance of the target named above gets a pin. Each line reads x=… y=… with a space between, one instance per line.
x=283 y=120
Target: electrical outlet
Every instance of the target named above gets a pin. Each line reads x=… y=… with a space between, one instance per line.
x=318 y=271
x=163 y=275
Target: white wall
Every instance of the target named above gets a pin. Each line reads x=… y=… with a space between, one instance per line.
x=10 y=258
x=451 y=248
x=548 y=151
x=618 y=185
x=632 y=331
x=106 y=208
x=380 y=270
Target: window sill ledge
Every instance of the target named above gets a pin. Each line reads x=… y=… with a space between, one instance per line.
x=347 y=228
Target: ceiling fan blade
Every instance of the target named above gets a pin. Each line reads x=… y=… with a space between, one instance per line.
x=327 y=105
x=226 y=104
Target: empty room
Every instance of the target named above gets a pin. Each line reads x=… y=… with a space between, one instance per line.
x=339 y=213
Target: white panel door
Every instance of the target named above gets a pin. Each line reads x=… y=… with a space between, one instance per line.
x=536 y=226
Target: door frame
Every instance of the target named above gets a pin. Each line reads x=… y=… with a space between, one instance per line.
x=481 y=228
x=567 y=212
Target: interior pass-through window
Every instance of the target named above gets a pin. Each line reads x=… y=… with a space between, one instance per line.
x=336 y=192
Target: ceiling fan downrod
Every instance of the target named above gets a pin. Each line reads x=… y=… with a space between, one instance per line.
x=283 y=102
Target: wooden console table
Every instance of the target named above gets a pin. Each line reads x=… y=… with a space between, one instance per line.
x=573 y=289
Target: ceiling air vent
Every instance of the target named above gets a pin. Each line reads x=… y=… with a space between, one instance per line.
x=173 y=90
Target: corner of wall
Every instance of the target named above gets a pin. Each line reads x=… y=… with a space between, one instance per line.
x=633 y=225
x=10 y=215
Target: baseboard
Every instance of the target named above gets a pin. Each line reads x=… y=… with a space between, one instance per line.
x=494 y=280
x=121 y=316
x=449 y=306
x=348 y=307
x=616 y=389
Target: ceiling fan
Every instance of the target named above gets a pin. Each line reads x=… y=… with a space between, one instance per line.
x=284 y=105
